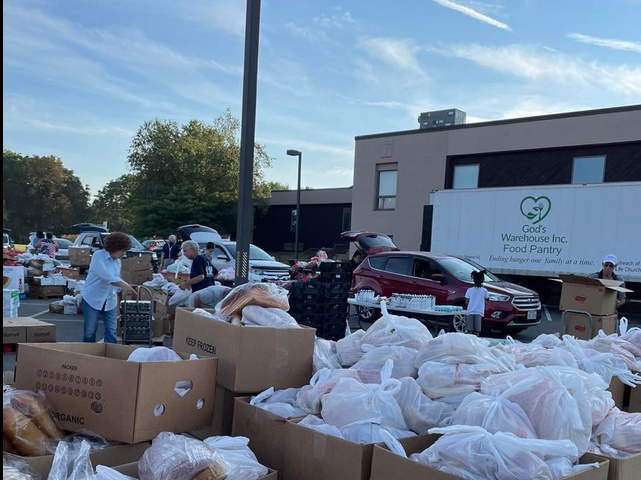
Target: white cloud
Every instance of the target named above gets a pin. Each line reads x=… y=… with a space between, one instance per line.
x=224 y=15
x=624 y=45
x=305 y=145
x=306 y=33
x=389 y=104
x=541 y=65
x=335 y=21
x=470 y=12
x=400 y=53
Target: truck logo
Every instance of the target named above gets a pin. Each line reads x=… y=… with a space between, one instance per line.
x=536 y=209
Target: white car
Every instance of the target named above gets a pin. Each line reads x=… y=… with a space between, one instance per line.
x=262 y=266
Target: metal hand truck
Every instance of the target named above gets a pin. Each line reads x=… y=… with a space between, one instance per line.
x=564 y=322
x=136 y=318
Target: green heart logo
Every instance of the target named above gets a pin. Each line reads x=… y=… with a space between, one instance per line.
x=535 y=209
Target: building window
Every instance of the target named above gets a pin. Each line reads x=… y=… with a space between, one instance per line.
x=466 y=176
x=588 y=170
x=386 y=191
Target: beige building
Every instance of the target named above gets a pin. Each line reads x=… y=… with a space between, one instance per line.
x=395 y=172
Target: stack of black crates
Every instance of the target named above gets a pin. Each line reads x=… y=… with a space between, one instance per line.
x=321 y=303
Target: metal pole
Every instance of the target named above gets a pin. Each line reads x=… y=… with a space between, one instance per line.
x=300 y=161
x=247 y=133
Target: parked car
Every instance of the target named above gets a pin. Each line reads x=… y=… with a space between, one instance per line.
x=510 y=306
x=62 y=253
x=96 y=241
x=154 y=246
x=7 y=241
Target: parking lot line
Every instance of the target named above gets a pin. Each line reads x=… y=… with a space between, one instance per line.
x=548 y=317
x=40 y=313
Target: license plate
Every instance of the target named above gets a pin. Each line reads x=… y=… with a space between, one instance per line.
x=531 y=315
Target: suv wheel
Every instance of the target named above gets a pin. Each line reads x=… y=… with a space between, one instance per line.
x=457 y=323
x=368 y=314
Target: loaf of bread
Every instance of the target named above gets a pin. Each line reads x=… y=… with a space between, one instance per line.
x=181 y=458
x=260 y=294
x=7 y=446
x=32 y=406
x=23 y=433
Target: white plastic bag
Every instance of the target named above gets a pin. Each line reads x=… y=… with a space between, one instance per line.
x=396 y=330
x=352 y=402
x=268 y=317
x=157 y=281
x=320 y=425
x=460 y=348
x=180 y=458
x=241 y=461
x=281 y=403
x=444 y=380
x=325 y=355
x=474 y=454
x=420 y=412
x=206 y=314
x=494 y=414
x=349 y=349
x=180 y=298
x=153 y=354
x=71 y=462
x=367 y=433
x=370 y=365
x=106 y=473
x=620 y=431
x=322 y=382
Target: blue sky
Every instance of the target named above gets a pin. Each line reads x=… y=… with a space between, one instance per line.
x=80 y=77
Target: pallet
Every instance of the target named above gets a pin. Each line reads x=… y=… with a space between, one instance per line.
x=44 y=297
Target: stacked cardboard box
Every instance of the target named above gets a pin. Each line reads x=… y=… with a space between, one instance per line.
x=594 y=296
x=27 y=330
x=251 y=359
x=13 y=278
x=136 y=270
x=164 y=312
x=79 y=256
x=93 y=387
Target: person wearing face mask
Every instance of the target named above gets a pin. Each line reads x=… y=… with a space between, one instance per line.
x=607 y=273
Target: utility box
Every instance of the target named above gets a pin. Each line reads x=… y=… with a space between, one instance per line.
x=442 y=118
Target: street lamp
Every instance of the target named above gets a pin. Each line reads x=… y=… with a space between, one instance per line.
x=299 y=154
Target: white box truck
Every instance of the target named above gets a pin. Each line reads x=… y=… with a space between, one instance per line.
x=542 y=231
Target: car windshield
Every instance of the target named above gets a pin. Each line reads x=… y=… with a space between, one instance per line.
x=5 y=238
x=462 y=269
x=370 y=241
x=63 y=243
x=255 y=253
x=135 y=244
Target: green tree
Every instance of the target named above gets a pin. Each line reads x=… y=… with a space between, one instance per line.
x=189 y=174
x=275 y=186
x=39 y=193
x=113 y=203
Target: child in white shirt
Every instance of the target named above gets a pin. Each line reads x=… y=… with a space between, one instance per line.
x=475 y=301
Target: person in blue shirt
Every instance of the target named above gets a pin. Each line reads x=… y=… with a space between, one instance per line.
x=170 y=252
x=100 y=293
x=202 y=271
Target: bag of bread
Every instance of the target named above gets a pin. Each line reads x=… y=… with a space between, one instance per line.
x=181 y=458
x=241 y=461
x=27 y=423
x=15 y=468
x=260 y=294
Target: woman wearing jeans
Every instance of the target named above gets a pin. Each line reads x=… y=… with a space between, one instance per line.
x=100 y=293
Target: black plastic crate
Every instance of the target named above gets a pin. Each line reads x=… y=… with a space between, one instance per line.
x=334 y=277
x=305 y=309
x=307 y=318
x=334 y=318
x=338 y=287
x=336 y=297
x=333 y=332
x=335 y=267
x=336 y=308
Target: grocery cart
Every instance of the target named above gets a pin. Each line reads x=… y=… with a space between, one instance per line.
x=136 y=318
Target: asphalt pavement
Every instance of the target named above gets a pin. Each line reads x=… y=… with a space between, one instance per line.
x=69 y=327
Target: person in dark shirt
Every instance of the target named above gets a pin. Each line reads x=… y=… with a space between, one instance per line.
x=202 y=271
x=356 y=260
x=170 y=252
x=607 y=272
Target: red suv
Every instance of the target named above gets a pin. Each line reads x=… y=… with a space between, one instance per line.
x=447 y=277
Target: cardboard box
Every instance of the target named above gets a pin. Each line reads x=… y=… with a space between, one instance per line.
x=27 y=330
x=109 y=457
x=137 y=263
x=13 y=278
x=623 y=468
x=8 y=378
x=617 y=389
x=131 y=469
x=578 y=325
x=10 y=299
x=53 y=281
x=48 y=267
x=635 y=400
x=70 y=273
x=10 y=313
x=38 y=291
x=93 y=387
x=136 y=277
x=79 y=256
x=181 y=278
x=252 y=359
x=221 y=422
x=314 y=455
x=387 y=465
x=592 y=295
x=266 y=432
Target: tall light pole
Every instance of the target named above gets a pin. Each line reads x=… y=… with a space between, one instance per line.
x=299 y=154
x=245 y=222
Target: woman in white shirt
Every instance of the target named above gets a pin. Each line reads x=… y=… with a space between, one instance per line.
x=475 y=299
x=100 y=293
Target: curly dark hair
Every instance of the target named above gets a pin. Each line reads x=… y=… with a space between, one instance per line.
x=117 y=242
